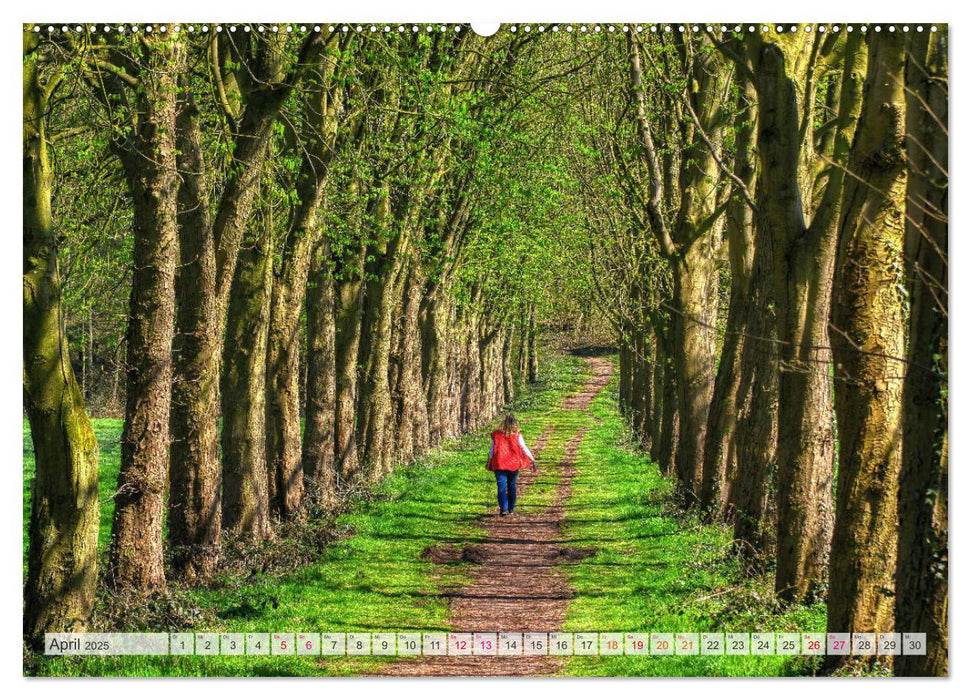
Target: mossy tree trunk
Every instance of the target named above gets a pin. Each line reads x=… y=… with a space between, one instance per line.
x=348 y=314
x=62 y=559
x=324 y=104
x=749 y=498
x=532 y=352
x=719 y=466
x=252 y=94
x=245 y=497
x=686 y=239
x=803 y=255
x=693 y=357
x=922 y=549
x=669 y=419
x=321 y=393
x=867 y=335
x=625 y=372
x=382 y=287
x=410 y=422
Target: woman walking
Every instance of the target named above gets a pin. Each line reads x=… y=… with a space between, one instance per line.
x=507 y=455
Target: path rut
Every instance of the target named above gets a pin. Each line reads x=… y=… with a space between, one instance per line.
x=518 y=584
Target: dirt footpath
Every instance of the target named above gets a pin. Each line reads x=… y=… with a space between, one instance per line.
x=518 y=585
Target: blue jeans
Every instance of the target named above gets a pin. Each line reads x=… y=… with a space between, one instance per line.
x=506 y=483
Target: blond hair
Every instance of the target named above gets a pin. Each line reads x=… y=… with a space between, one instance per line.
x=510 y=426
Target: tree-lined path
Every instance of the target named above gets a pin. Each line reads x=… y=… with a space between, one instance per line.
x=597 y=544
x=281 y=280
x=519 y=584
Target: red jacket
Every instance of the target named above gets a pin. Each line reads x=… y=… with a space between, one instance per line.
x=507 y=455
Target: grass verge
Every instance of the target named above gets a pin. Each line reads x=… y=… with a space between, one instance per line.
x=373 y=579
x=659 y=569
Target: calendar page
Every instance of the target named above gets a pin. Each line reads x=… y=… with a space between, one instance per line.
x=442 y=348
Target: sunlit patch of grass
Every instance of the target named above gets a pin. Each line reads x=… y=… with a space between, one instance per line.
x=373 y=580
x=658 y=569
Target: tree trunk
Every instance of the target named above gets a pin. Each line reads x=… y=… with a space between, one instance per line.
x=756 y=432
x=533 y=362
x=922 y=559
x=411 y=418
x=643 y=384
x=283 y=440
x=867 y=335
x=210 y=249
x=489 y=382
x=508 y=380
x=669 y=427
x=719 y=465
x=285 y=471
x=347 y=339
x=149 y=162
x=803 y=265
x=374 y=407
x=321 y=394
x=720 y=460
x=434 y=351
x=626 y=372
x=62 y=559
x=523 y=356
x=694 y=359
x=637 y=408
x=194 y=517
x=245 y=490
x=686 y=241
x=802 y=272
x=657 y=410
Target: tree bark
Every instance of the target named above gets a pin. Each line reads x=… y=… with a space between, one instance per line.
x=62 y=559
x=719 y=466
x=508 y=380
x=148 y=158
x=626 y=373
x=321 y=394
x=410 y=414
x=803 y=264
x=533 y=361
x=433 y=361
x=643 y=384
x=194 y=517
x=749 y=497
x=283 y=439
x=867 y=335
x=209 y=258
x=374 y=407
x=657 y=410
x=347 y=340
x=686 y=240
x=283 y=443
x=245 y=500
x=523 y=355
x=693 y=359
x=922 y=549
x=638 y=411
x=669 y=426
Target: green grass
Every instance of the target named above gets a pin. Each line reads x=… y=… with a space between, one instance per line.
x=108 y=433
x=374 y=580
x=658 y=569
x=655 y=568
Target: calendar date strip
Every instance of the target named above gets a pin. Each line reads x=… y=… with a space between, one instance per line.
x=486 y=644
